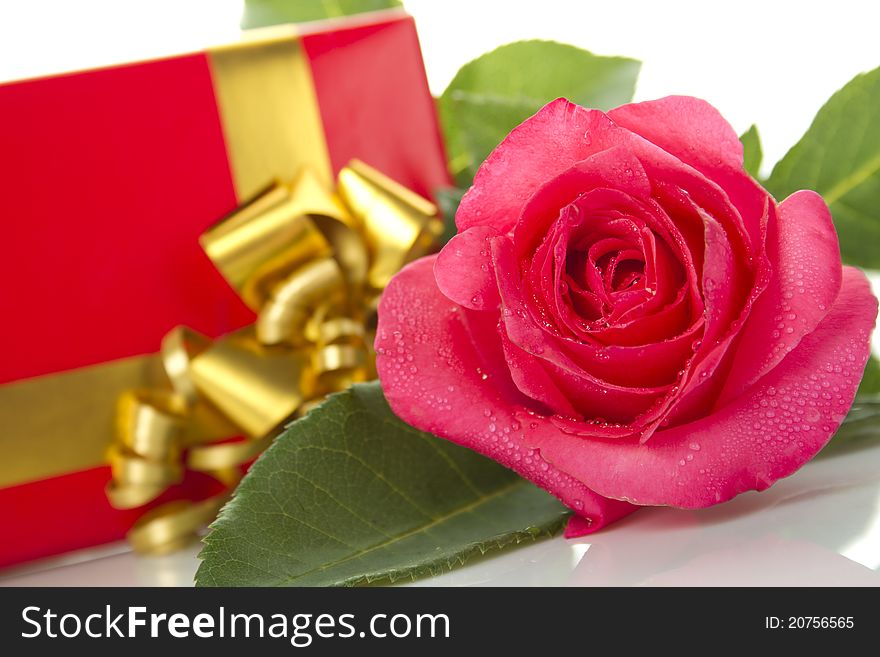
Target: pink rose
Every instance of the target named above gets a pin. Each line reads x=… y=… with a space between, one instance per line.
x=627 y=318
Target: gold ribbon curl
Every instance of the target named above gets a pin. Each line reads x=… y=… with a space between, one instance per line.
x=311 y=263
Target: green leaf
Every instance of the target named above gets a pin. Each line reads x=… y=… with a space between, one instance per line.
x=870 y=384
x=752 y=152
x=839 y=157
x=862 y=424
x=351 y=495
x=448 y=198
x=496 y=92
x=258 y=13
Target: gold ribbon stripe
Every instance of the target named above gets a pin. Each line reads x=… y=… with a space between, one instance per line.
x=269 y=111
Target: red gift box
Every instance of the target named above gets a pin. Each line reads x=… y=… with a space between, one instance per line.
x=108 y=178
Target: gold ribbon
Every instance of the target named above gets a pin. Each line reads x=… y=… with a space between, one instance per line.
x=311 y=263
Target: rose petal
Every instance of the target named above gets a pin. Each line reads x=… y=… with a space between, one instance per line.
x=639 y=373
x=806 y=280
x=696 y=133
x=464 y=270
x=530 y=377
x=594 y=215
x=539 y=149
x=748 y=444
x=596 y=515
x=614 y=169
x=440 y=327
x=705 y=379
x=689 y=128
x=674 y=319
x=679 y=183
x=576 y=378
x=723 y=283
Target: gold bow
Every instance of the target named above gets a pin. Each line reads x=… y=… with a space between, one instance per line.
x=311 y=263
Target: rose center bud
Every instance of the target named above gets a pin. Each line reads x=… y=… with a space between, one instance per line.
x=598 y=270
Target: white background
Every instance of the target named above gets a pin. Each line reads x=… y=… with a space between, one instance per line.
x=772 y=62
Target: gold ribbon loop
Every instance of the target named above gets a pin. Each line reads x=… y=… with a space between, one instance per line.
x=337 y=225
x=398 y=224
x=293 y=299
x=339 y=328
x=337 y=357
x=263 y=241
x=146 y=458
x=210 y=458
x=137 y=481
x=174 y=525
x=339 y=366
x=150 y=422
x=311 y=263
x=342 y=355
x=144 y=473
x=178 y=349
x=255 y=387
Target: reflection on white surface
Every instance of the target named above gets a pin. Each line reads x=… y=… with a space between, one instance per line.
x=120 y=568
x=863 y=549
x=818 y=528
